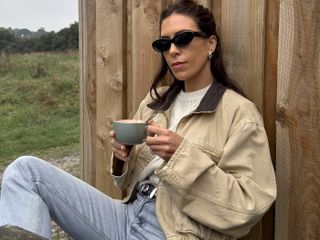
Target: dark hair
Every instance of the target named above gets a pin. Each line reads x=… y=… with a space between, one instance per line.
x=206 y=23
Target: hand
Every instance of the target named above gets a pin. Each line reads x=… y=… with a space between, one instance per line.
x=120 y=151
x=162 y=141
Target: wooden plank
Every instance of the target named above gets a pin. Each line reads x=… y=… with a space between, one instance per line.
x=87 y=27
x=216 y=10
x=242 y=34
x=130 y=109
x=110 y=84
x=270 y=97
x=298 y=132
x=145 y=28
x=205 y=3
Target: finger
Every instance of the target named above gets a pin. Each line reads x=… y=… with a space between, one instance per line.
x=153 y=129
x=120 y=153
x=151 y=122
x=112 y=134
x=156 y=140
x=118 y=145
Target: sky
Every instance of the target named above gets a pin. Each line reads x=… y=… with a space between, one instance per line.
x=52 y=15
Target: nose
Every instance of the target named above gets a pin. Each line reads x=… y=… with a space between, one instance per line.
x=173 y=50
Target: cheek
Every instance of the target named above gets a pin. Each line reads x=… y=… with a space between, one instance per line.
x=198 y=61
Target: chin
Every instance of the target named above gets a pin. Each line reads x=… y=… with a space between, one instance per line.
x=181 y=76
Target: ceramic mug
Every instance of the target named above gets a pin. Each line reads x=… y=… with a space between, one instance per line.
x=129 y=131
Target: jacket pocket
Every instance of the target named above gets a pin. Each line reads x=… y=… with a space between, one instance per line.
x=187 y=226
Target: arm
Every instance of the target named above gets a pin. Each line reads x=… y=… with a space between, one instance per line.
x=123 y=156
x=227 y=191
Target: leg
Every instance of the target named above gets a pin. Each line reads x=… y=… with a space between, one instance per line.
x=143 y=223
x=34 y=191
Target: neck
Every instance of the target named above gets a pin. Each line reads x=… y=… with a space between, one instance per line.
x=200 y=81
x=191 y=86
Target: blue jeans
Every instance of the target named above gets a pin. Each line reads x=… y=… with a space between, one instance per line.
x=34 y=192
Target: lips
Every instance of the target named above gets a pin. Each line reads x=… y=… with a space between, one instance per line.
x=177 y=65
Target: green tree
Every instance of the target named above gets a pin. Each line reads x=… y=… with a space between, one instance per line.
x=7 y=40
x=65 y=39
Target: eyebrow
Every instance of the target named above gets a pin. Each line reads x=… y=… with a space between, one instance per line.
x=180 y=31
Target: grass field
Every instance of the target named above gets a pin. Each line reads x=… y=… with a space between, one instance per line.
x=39 y=104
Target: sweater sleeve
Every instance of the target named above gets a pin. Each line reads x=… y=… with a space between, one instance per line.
x=227 y=191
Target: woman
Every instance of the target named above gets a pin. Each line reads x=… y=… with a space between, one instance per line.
x=204 y=171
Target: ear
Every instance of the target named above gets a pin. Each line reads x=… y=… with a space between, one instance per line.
x=212 y=43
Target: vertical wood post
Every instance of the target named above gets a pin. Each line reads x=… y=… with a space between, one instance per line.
x=142 y=60
x=87 y=25
x=110 y=47
x=298 y=117
x=270 y=97
x=242 y=26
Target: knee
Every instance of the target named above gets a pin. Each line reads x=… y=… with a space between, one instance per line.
x=19 y=166
x=25 y=161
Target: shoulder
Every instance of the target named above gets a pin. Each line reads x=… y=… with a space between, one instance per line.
x=239 y=108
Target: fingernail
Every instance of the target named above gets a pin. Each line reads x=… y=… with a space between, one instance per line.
x=123 y=147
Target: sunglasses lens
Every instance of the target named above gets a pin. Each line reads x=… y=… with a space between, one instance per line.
x=179 y=40
x=182 y=39
x=161 y=45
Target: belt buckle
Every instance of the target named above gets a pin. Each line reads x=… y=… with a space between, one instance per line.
x=145 y=188
x=148 y=190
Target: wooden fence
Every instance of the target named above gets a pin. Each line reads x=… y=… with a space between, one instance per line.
x=271 y=48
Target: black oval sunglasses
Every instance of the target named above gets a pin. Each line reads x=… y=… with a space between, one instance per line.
x=180 y=40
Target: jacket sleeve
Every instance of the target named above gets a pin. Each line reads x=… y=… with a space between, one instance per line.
x=227 y=191
x=121 y=171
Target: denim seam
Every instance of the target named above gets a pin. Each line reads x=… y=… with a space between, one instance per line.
x=83 y=218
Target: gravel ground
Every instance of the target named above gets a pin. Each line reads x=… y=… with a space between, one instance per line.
x=70 y=164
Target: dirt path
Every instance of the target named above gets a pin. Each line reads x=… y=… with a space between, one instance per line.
x=70 y=164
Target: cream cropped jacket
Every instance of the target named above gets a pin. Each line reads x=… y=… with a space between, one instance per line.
x=220 y=181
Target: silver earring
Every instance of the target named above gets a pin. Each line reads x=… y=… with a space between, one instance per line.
x=210 y=55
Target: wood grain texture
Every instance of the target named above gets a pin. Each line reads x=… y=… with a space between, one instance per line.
x=243 y=35
x=270 y=97
x=144 y=25
x=216 y=10
x=298 y=116
x=205 y=3
x=110 y=84
x=87 y=27
x=241 y=25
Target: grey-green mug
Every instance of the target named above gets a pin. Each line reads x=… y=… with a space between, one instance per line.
x=129 y=131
